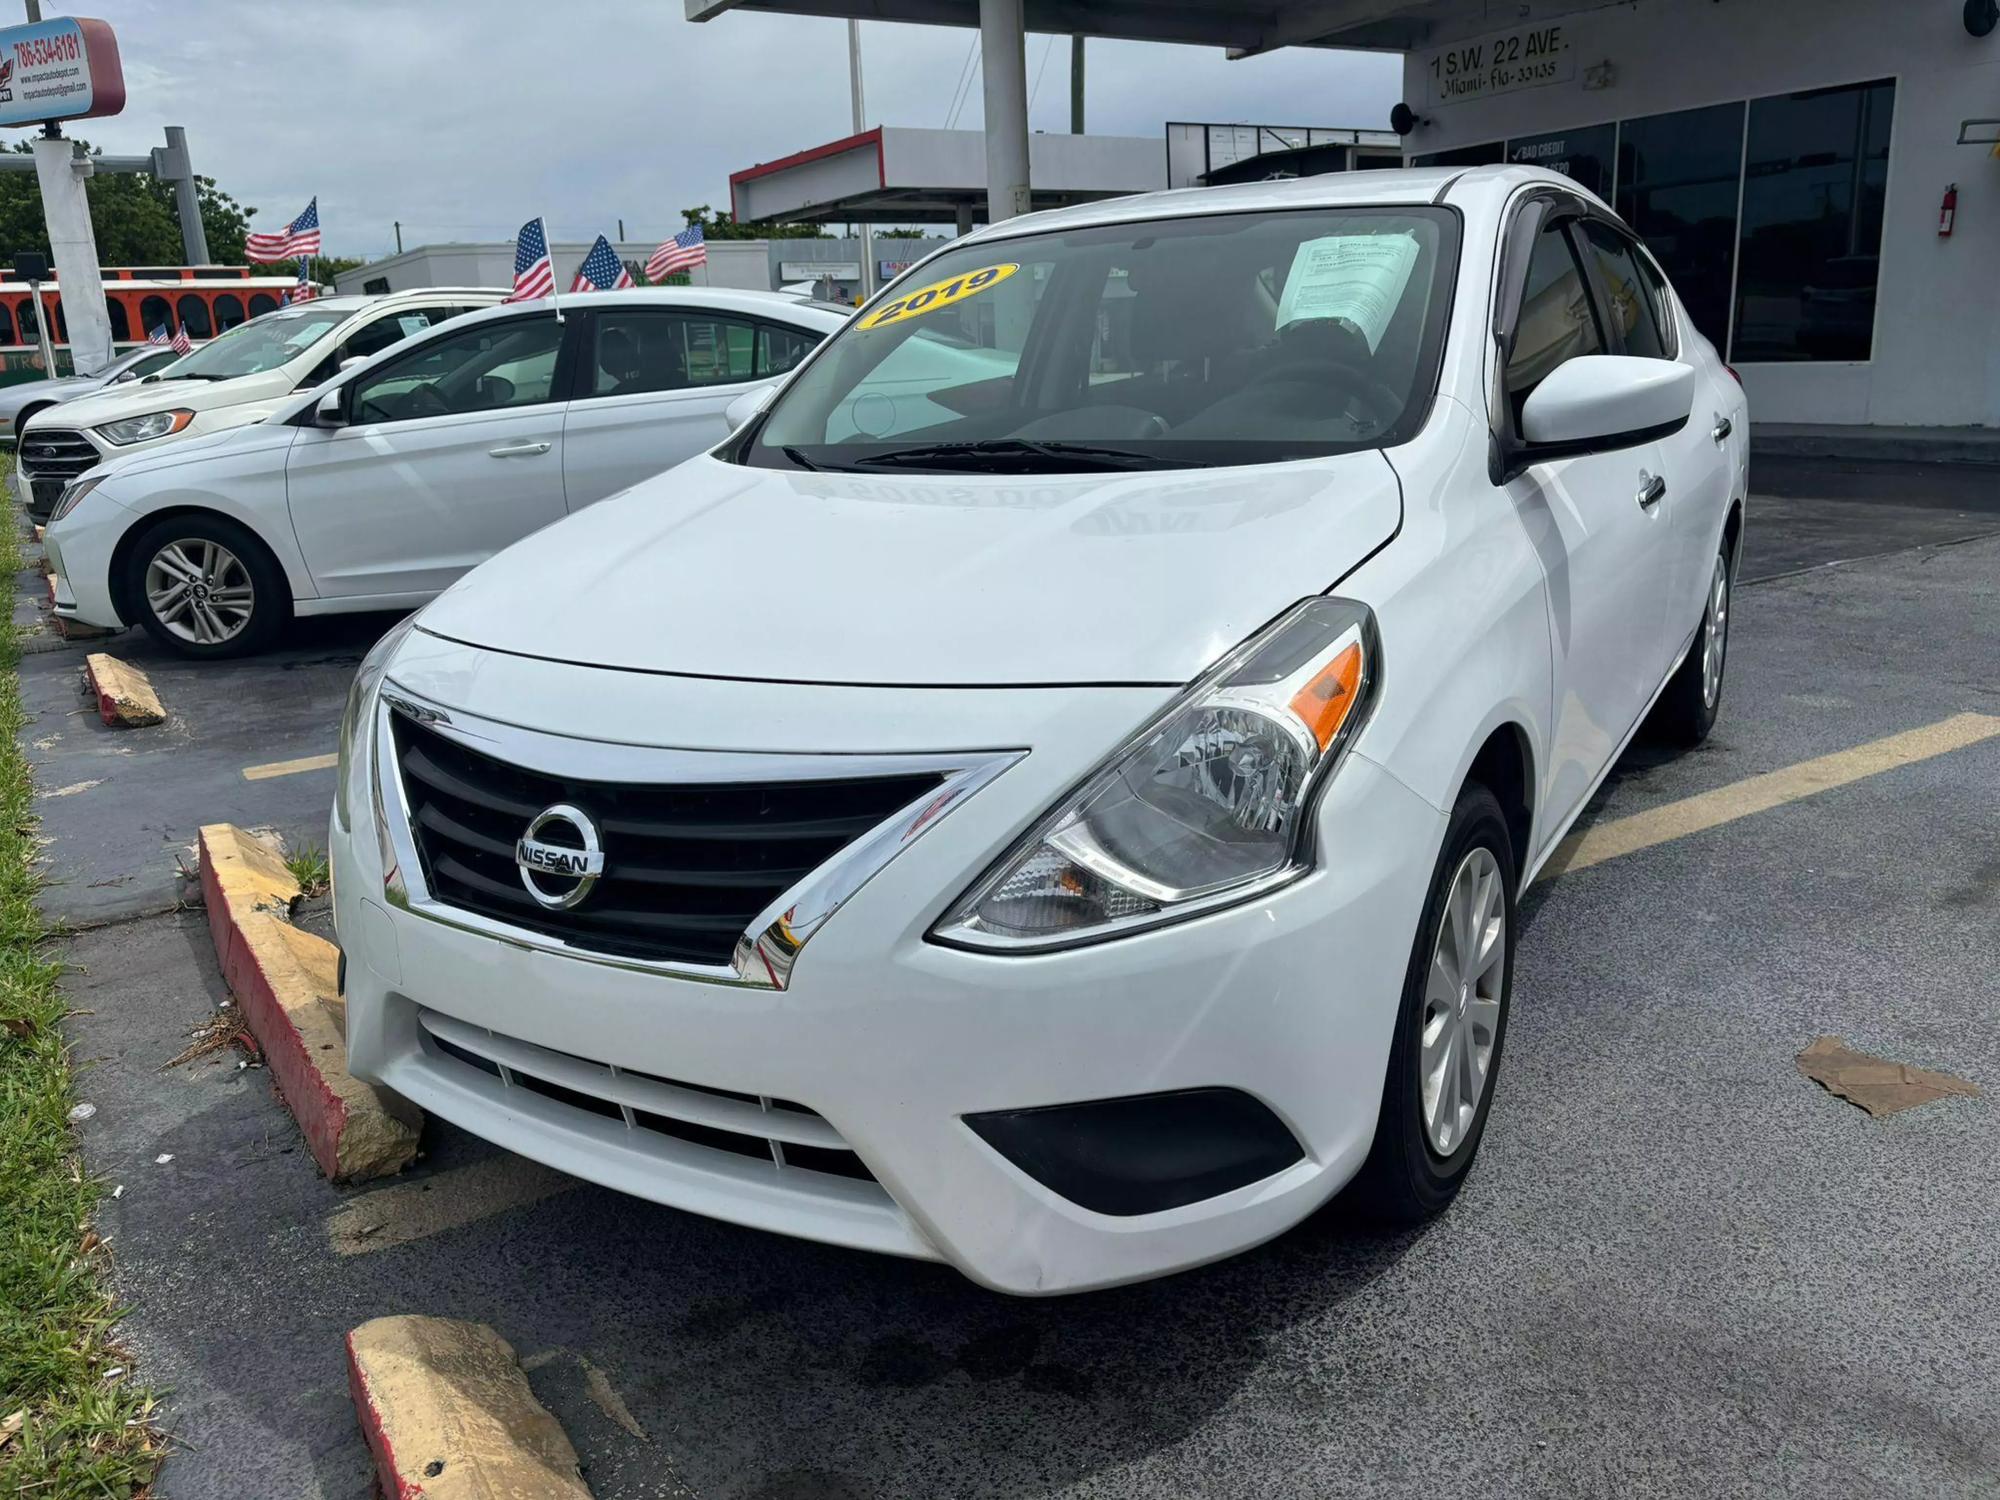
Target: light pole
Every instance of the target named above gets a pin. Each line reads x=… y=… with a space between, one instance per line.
x=860 y=124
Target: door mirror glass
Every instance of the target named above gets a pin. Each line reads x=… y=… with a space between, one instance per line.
x=328 y=412
x=747 y=405
x=1599 y=401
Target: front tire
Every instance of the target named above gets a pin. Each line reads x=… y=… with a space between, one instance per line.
x=205 y=586
x=1688 y=708
x=1451 y=1026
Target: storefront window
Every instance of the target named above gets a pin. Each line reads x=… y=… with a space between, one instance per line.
x=1677 y=182
x=1581 y=154
x=1815 y=173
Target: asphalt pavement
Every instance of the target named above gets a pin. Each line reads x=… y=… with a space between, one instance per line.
x=1679 y=1267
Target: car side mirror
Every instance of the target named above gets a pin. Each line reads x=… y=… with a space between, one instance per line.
x=1598 y=402
x=351 y=361
x=331 y=410
x=748 y=405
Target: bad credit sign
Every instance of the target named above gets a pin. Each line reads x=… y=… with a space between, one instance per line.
x=65 y=69
x=1525 y=58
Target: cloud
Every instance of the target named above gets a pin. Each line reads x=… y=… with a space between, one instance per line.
x=461 y=118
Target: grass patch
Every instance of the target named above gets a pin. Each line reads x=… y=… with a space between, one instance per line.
x=81 y=1434
x=309 y=869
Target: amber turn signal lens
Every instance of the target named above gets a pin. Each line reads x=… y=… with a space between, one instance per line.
x=1324 y=703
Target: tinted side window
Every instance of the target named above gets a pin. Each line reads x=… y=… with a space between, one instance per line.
x=1557 y=319
x=1628 y=300
x=650 y=349
x=486 y=367
x=778 y=349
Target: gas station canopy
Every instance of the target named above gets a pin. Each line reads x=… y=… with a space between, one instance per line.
x=1388 y=25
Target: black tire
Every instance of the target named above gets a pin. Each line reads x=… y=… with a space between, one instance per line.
x=1687 y=709
x=270 y=602
x=21 y=418
x=1406 y=1180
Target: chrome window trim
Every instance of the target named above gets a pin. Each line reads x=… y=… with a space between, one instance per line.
x=768 y=950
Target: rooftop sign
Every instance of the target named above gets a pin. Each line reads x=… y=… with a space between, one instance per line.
x=65 y=69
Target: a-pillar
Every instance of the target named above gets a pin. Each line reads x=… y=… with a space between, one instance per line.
x=1004 y=73
x=67 y=212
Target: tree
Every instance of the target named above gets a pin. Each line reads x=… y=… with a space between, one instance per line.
x=132 y=214
x=724 y=226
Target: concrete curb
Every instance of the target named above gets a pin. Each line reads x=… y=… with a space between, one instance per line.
x=449 y=1416
x=285 y=981
x=125 y=696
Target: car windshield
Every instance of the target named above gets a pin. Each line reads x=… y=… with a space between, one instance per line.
x=1223 y=338
x=261 y=344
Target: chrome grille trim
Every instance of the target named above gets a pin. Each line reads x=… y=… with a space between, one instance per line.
x=765 y=953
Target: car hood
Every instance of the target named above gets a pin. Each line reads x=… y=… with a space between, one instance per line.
x=715 y=569
x=196 y=450
x=138 y=398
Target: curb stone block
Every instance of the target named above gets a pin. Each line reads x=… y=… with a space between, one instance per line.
x=448 y=1415
x=125 y=696
x=285 y=981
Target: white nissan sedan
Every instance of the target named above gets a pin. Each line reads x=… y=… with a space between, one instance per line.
x=1062 y=815
x=378 y=490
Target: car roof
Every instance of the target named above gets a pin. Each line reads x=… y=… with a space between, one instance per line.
x=785 y=306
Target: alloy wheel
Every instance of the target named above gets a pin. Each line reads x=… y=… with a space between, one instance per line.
x=1461 y=1018
x=200 y=591
x=1715 y=633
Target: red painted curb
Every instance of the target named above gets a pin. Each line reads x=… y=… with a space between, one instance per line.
x=321 y=1113
x=107 y=706
x=369 y=1416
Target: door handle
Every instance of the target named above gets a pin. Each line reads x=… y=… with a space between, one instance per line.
x=519 y=450
x=1722 y=428
x=1652 y=490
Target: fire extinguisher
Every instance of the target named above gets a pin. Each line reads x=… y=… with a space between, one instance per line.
x=1948 y=212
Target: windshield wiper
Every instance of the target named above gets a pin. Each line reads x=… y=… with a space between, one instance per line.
x=801 y=460
x=1009 y=454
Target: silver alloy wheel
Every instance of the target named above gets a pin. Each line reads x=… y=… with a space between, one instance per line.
x=200 y=591
x=1715 y=633
x=1461 y=1018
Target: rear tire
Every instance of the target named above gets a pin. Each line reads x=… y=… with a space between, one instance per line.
x=1451 y=1026
x=205 y=586
x=1688 y=708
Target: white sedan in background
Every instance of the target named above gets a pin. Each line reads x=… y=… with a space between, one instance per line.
x=378 y=490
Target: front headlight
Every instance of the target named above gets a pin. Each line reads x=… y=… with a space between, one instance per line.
x=72 y=493
x=156 y=424
x=1208 y=805
x=350 y=777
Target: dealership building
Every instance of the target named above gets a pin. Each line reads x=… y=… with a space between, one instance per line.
x=1793 y=163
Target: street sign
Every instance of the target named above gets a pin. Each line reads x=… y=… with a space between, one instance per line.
x=65 y=69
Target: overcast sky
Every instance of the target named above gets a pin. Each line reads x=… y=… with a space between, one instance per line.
x=462 y=118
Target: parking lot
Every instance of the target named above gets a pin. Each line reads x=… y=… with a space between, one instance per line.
x=1679 y=1264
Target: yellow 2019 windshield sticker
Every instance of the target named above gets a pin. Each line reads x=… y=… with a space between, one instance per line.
x=938 y=294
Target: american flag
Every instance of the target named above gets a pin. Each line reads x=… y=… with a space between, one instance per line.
x=180 y=343
x=300 y=237
x=602 y=270
x=683 y=251
x=534 y=276
x=305 y=291
x=158 y=335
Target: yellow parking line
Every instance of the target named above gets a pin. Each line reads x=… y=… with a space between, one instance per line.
x=418 y=1209
x=290 y=767
x=1593 y=846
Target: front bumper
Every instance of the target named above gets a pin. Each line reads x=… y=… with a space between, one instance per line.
x=79 y=549
x=884 y=1043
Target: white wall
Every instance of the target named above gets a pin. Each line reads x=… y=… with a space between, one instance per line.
x=1936 y=354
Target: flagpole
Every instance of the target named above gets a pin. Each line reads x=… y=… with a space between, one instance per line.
x=550 y=246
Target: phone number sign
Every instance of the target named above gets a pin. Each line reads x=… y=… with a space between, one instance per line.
x=65 y=69
x=1527 y=57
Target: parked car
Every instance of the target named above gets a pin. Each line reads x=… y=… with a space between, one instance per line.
x=1066 y=823
x=22 y=400
x=382 y=488
x=235 y=379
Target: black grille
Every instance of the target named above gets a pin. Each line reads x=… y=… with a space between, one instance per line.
x=686 y=867
x=57 y=454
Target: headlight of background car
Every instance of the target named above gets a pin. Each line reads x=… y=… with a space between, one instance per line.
x=1207 y=805
x=143 y=429
x=73 y=492
x=351 y=777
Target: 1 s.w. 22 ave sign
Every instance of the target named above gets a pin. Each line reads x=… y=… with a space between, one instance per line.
x=1526 y=57
x=65 y=69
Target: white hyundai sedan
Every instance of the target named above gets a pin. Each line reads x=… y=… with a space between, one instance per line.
x=1062 y=815
x=379 y=490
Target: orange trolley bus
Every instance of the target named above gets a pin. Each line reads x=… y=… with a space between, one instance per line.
x=205 y=299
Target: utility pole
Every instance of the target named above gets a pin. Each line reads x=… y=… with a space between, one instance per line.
x=34 y=12
x=399 y=235
x=621 y=231
x=860 y=124
x=1076 y=85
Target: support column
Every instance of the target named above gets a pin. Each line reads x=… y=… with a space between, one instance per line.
x=964 y=220
x=67 y=212
x=1076 y=85
x=1004 y=75
x=187 y=197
